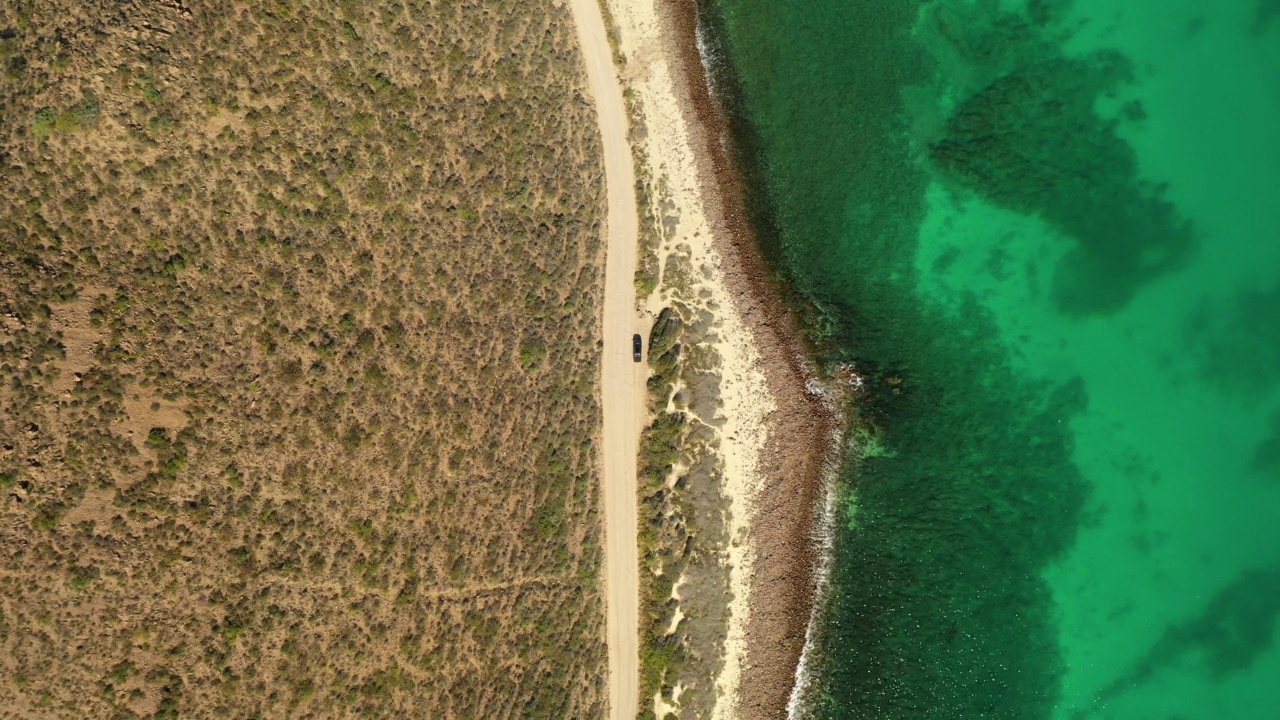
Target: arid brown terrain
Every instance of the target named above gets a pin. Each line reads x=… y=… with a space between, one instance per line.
x=298 y=309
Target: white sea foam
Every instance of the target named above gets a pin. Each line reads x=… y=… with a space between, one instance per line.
x=834 y=392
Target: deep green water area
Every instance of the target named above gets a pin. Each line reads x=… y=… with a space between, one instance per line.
x=1047 y=236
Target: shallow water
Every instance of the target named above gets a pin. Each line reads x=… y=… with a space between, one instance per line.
x=1047 y=234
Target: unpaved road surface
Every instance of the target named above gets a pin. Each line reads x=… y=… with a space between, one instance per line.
x=622 y=379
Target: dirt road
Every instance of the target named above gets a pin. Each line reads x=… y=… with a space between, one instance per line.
x=622 y=379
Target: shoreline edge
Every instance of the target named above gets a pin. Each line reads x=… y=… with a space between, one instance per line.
x=788 y=498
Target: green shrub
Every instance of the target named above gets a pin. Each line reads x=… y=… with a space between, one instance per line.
x=44 y=122
x=48 y=121
x=83 y=577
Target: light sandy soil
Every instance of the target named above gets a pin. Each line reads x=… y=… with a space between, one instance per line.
x=745 y=402
x=778 y=434
x=622 y=380
x=745 y=398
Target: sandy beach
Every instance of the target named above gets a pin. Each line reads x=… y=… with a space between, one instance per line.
x=772 y=434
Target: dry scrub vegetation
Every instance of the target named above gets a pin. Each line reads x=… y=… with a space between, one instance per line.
x=683 y=518
x=298 y=306
x=684 y=514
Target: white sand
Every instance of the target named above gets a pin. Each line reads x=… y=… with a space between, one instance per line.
x=744 y=395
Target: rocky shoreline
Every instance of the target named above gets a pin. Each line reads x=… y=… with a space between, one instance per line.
x=801 y=427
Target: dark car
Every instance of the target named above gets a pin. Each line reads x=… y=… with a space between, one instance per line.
x=637 y=345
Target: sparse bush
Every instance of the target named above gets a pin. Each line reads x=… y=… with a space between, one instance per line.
x=275 y=364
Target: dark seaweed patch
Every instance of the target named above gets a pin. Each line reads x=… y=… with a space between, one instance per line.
x=1033 y=142
x=1266 y=457
x=939 y=608
x=1237 y=347
x=942 y=609
x=1235 y=628
x=1264 y=14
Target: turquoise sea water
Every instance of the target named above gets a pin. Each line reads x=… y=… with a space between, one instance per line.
x=1047 y=235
